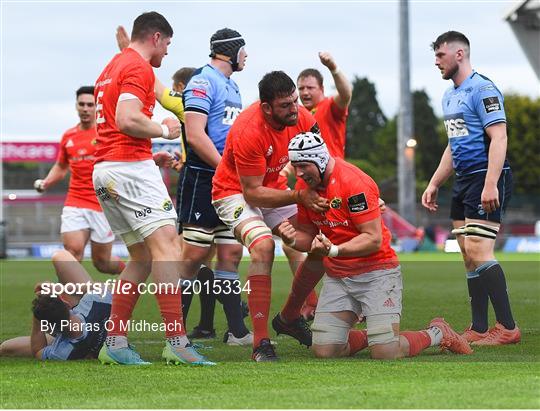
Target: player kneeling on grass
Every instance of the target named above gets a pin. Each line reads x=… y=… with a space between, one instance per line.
x=363 y=273
x=68 y=326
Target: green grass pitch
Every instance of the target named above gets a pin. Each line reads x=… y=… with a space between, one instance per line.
x=434 y=285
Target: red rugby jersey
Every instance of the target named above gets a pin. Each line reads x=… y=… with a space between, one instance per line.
x=254 y=148
x=354 y=199
x=129 y=73
x=77 y=149
x=332 y=121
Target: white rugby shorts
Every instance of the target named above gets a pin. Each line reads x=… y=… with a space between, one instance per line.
x=373 y=293
x=234 y=209
x=133 y=196
x=76 y=219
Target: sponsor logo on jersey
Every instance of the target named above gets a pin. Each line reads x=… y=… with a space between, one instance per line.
x=357 y=203
x=197 y=215
x=70 y=143
x=230 y=113
x=491 y=104
x=336 y=203
x=455 y=126
x=199 y=92
x=331 y=224
x=200 y=82
x=284 y=159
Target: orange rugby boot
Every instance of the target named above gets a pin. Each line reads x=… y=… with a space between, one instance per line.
x=451 y=340
x=470 y=335
x=499 y=335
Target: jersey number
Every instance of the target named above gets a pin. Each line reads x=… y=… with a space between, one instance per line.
x=230 y=115
x=100 y=118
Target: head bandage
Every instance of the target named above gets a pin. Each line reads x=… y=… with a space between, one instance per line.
x=309 y=147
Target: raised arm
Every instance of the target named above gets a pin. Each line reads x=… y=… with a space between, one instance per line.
x=343 y=85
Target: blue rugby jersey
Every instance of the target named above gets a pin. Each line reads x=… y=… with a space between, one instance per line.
x=468 y=110
x=212 y=93
x=94 y=310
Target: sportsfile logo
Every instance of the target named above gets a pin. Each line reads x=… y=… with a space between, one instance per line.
x=455 y=126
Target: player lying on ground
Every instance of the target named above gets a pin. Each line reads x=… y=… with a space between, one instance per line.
x=363 y=275
x=67 y=327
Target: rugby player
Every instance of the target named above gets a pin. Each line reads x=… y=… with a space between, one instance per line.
x=331 y=116
x=82 y=217
x=65 y=327
x=363 y=273
x=251 y=198
x=475 y=123
x=132 y=193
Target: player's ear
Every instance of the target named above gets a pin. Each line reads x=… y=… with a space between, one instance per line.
x=156 y=37
x=266 y=108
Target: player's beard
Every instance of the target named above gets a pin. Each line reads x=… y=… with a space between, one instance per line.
x=287 y=121
x=451 y=72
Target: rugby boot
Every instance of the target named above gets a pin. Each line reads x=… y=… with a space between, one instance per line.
x=451 y=340
x=470 y=335
x=185 y=355
x=200 y=334
x=230 y=339
x=120 y=356
x=499 y=335
x=298 y=329
x=264 y=352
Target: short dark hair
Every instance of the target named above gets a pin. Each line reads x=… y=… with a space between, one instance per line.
x=183 y=75
x=149 y=23
x=449 y=37
x=275 y=84
x=52 y=310
x=85 y=90
x=311 y=72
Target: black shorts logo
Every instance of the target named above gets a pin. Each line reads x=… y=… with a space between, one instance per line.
x=491 y=104
x=357 y=203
